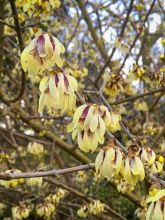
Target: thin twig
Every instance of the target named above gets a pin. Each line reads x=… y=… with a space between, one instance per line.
x=10 y=176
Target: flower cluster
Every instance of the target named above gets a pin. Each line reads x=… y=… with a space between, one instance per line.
x=115 y=84
x=47 y=208
x=156 y=209
x=147 y=156
x=132 y=170
x=143 y=74
x=57 y=89
x=41 y=5
x=81 y=176
x=109 y=161
x=35 y=182
x=35 y=148
x=55 y=198
x=94 y=208
x=20 y=212
x=12 y=183
x=42 y=54
x=89 y=125
x=57 y=92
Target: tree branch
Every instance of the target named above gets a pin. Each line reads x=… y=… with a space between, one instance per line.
x=21 y=45
x=10 y=176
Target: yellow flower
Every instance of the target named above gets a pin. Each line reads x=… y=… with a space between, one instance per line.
x=162 y=146
x=139 y=6
x=12 y=183
x=133 y=170
x=147 y=156
x=109 y=162
x=81 y=176
x=45 y=209
x=123 y=187
x=156 y=210
x=57 y=92
x=37 y=181
x=42 y=53
x=20 y=212
x=141 y=106
x=35 y=148
x=89 y=126
x=96 y=207
x=55 y=198
x=83 y=212
x=162 y=57
x=163 y=41
x=161 y=159
x=114 y=122
x=138 y=72
x=157 y=167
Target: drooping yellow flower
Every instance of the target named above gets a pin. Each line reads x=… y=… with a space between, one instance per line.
x=89 y=126
x=156 y=210
x=45 y=209
x=138 y=72
x=163 y=41
x=109 y=162
x=20 y=212
x=123 y=187
x=147 y=156
x=157 y=167
x=114 y=123
x=57 y=92
x=81 y=177
x=35 y=182
x=40 y=7
x=2 y=208
x=141 y=106
x=162 y=57
x=55 y=198
x=83 y=212
x=42 y=53
x=12 y=183
x=132 y=170
x=35 y=148
x=96 y=207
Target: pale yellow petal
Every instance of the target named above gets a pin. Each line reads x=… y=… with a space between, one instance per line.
x=159 y=195
x=48 y=45
x=150 y=211
x=42 y=101
x=88 y=118
x=101 y=126
x=106 y=167
x=71 y=126
x=127 y=171
x=43 y=84
x=118 y=162
x=94 y=122
x=78 y=113
x=158 y=215
x=75 y=133
x=99 y=160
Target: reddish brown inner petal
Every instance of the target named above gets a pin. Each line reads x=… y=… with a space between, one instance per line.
x=56 y=80
x=41 y=45
x=52 y=42
x=84 y=114
x=34 y=52
x=66 y=82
